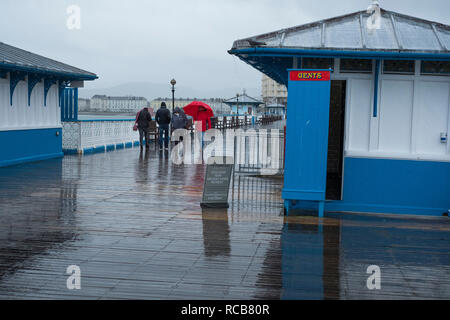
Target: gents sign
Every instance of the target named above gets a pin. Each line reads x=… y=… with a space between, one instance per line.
x=310 y=75
x=217 y=182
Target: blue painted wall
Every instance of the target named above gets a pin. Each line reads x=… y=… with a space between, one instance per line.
x=397 y=186
x=19 y=146
x=392 y=186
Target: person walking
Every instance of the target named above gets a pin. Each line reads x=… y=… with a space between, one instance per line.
x=179 y=121
x=163 y=119
x=143 y=119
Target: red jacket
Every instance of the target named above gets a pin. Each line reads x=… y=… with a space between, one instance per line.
x=204 y=118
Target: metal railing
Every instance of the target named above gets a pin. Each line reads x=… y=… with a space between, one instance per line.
x=259 y=152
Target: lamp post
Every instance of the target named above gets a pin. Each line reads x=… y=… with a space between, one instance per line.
x=173 y=83
x=237 y=103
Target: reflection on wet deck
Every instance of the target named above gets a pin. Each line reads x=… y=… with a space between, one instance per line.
x=133 y=224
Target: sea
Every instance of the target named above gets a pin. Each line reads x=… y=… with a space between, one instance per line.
x=105 y=116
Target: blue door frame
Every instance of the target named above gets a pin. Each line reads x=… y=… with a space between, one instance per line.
x=69 y=104
x=307 y=124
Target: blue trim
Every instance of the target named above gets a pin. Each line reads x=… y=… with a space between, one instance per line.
x=70 y=151
x=136 y=143
x=343 y=53
x=375 y=90
x=341 y=206
x=297 y=194
x=103 y=148
x=88 y=150
x=6 y=163
x=62 y=84
x=99 y=149
x=69 y=105
x=75 y=100
x=72 y=76
x=92 y=150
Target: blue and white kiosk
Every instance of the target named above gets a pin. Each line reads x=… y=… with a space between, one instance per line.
x=374 y=136
x=32 y=91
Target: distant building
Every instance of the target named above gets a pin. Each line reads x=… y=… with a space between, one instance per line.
x=84 y=104
x=273 y=92
x=243 y=104
x=103 y=103
x=215 y=103
x=275 y=108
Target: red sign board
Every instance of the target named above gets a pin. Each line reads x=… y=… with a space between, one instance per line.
x=310 y=75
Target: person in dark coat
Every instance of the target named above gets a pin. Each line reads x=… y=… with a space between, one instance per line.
x=163 y=119
x=143 y=119
x=179 y=121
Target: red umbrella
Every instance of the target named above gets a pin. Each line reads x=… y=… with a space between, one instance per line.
x=192 y=109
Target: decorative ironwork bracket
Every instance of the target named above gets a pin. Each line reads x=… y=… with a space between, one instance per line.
x=33 y=80
x=3 y=74
x=14 y=79
x=48 y=82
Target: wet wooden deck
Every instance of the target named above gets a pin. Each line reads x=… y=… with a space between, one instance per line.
x=132 y=222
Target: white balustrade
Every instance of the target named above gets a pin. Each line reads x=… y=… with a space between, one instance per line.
x=92 y=135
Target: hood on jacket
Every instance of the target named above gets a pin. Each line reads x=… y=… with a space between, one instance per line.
x=179 y=110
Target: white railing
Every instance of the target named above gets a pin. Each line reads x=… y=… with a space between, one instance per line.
x=259 y=151
x=88 y=136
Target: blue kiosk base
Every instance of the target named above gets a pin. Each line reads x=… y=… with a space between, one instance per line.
x=290 y=205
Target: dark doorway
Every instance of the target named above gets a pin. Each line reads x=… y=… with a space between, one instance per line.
x=336 y=140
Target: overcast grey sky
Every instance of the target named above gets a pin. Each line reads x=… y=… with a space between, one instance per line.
x=155 y=40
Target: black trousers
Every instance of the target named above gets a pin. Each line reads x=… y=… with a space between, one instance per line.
x=164 y=135
x=143 y=133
